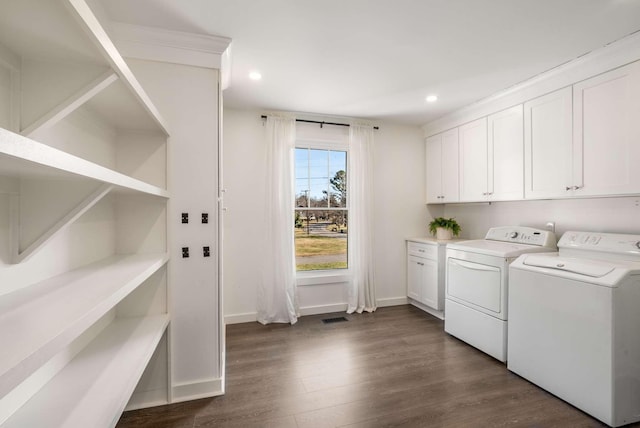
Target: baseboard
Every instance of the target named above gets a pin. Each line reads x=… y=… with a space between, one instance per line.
x=323 y=309
x=430 y=311
x=240 y=318
x=315 y=310
x=197 y=390
x=392 y=301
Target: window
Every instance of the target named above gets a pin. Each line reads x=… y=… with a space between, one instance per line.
x=321 y=226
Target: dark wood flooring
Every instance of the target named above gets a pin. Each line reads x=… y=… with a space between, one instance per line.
x=395 y=367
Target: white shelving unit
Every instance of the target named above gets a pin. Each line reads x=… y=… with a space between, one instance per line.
x=31 y=319
x=81 y=394
x=21 y=157
x=84 y=301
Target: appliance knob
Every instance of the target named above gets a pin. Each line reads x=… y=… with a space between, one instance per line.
x=513 y=235
x=638 y=245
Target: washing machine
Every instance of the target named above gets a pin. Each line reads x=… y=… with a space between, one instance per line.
x=574 y=323
x=477 y=282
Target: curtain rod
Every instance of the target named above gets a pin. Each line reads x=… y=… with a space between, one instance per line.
x=321 y=123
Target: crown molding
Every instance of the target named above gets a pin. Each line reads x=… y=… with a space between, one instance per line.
x=158 y=44
x=612 y=55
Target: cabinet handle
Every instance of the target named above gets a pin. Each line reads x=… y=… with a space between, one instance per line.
x=421 y=264
x=573 y=187
x=422 y=251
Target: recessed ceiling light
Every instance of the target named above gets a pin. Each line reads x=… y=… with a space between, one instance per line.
x=254 y=75
x=432 y=98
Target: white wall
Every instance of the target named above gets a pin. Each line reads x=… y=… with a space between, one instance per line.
x=188 y=99
x=400 y=213
x=616 y=215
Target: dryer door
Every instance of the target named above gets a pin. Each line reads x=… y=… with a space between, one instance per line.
x=477 y=284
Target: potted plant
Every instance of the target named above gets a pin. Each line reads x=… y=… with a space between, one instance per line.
x=444 y=228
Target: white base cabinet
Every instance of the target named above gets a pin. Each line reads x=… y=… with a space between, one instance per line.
x=425 y=272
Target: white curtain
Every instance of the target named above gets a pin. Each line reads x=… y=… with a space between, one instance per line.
x=277 y=301
x=362 y=296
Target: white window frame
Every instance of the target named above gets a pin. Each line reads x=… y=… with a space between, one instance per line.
x=329 y=276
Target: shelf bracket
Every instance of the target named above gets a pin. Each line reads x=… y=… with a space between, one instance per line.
x=69 y=105
x=84 y=206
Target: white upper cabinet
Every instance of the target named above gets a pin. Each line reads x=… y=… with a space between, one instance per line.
x=442 y=167
x=434 y=169
x=505 y=155
x=491 y=157
x=547 y=145
x=606 y=141
x=473 y=161
x=450 y=171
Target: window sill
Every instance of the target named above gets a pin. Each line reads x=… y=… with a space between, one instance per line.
x=323 y=277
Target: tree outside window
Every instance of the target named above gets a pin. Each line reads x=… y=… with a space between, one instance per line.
x=321 y=216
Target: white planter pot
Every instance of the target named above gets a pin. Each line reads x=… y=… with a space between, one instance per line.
x=444 y=234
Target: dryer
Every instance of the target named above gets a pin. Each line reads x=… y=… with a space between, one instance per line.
x=574 y=323
x=477 y=282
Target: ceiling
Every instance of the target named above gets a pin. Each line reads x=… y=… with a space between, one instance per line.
x=379 y=59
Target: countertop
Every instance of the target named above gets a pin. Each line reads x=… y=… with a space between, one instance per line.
x=433 y=241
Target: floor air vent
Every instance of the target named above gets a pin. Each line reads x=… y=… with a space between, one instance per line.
x=332 y=320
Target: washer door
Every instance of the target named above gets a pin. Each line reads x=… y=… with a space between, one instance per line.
x=477 y=285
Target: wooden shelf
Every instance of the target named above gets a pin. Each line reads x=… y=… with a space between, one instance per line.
x=23 y=157
x=38 y=321
x=93 y=389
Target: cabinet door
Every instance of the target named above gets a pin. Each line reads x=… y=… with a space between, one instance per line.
x=434 y=169
x=415 y=268
x=430 y=291
x=606 y=144
x=506 y=152
x=473 y=161
x=450 y=180
x=547 y=145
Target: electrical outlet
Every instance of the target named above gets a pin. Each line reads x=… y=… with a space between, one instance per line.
x=185 y=252
x=206 y=252
x=185 y=218
x=205 y=218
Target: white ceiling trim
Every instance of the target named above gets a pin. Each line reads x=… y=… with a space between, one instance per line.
x=613 y=55
x=157 y=44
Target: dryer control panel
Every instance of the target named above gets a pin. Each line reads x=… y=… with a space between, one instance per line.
x=602 y=242
x=522 y=235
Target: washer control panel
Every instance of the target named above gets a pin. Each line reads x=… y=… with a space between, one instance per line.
x=522 y=235
x=604 y=242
